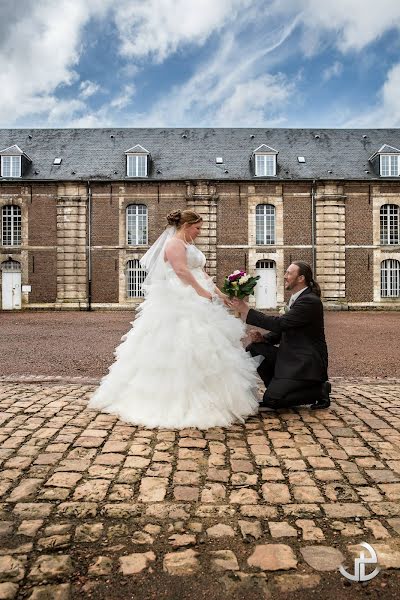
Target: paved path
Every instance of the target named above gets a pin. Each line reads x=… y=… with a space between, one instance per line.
x=93 y=507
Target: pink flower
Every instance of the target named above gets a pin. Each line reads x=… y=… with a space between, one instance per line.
x=236 y=275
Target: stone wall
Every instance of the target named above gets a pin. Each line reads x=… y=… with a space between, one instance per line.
x=55 y=223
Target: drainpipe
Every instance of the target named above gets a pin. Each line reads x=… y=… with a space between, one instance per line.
x=89 y=245
x=313 y=226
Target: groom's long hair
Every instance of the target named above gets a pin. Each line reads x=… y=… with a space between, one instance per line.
x=306 y=270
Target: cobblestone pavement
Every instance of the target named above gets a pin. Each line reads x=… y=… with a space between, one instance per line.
x=93 y=507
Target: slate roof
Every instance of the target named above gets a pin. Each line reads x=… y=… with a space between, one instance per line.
x=138 y=149
x=183 y=154
x=385 y=149
x=266 y=149
x=13 y=151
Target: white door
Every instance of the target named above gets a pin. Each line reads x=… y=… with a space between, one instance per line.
x=266 y=285
x=11 y=287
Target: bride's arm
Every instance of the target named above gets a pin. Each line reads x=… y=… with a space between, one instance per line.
x=176 y=255
x=217 y=291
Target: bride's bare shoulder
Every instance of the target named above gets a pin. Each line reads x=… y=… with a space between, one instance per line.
x=175 y=242
x=175 y=246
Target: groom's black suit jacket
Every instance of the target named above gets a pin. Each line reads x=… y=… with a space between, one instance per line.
x=302 y=352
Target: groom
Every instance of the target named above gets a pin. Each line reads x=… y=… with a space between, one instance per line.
x=296 y=371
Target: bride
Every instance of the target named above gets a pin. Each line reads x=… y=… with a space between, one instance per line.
x=182 y=364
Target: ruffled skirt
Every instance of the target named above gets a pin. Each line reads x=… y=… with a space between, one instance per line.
x=181 y=365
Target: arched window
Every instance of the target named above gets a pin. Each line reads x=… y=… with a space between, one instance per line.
x=389 y=218
x=11 y=266
x=390 y=278
x=136 y=225
x=11 y=225
x=265 y=264
x=265 y=224
x=135 y=276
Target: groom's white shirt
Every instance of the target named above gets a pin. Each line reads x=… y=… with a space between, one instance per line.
x=294 y=297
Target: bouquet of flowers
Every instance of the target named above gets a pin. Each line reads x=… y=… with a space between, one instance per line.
x=239 y=285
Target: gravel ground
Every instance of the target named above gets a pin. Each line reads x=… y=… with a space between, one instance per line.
x=361 y=344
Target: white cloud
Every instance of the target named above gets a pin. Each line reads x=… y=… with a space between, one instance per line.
x=158 y=28
x=241 y=83
x=124 y=98
x=386 y=111
x=232 y=88
x=88 y=88
x=39 y=52
x=333 y=70
x=353 y=24
x=357 y=22
x=255 y=102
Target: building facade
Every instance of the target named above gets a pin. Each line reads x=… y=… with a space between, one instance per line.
x=80 y=207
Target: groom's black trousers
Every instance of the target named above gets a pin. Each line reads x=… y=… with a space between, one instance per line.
x=282 y=392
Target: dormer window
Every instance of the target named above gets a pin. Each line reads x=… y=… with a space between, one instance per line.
x=137 y=161
x=265 y=161
x=13 y=162
x=11 y=166
x=389 y=165
x=387 y=160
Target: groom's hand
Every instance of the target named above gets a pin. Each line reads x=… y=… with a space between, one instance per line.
x=256 y=336
x=241 y=306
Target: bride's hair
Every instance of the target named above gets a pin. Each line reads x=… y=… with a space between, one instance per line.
x=180 y=217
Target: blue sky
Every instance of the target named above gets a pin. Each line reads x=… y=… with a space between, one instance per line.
x=200 y=63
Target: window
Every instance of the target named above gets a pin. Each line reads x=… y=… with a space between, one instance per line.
x=11 y=166
x=136 y=225
x=265 y=264
x=390 y=278
x=265 y=224
x=389 y=218
x=11 y=266
x=135 y=276
x=389 y=165
x=137 y=165
x=265 y=165
x=11 y=225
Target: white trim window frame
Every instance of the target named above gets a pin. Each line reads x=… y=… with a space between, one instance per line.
x=265 y=225
x=265 y=165
x=389 y=165
x=11 y=166
x=136 y=225
x=136 y=165
x=389 y=216
x=135 y=276
x=11 y=266
x=11 y=225
x=265 y=264
x=390 y=278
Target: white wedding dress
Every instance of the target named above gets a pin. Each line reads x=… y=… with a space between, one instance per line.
x=182 y=364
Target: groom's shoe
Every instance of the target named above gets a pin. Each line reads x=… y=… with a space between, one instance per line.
x=324 y=401
x=268 y=403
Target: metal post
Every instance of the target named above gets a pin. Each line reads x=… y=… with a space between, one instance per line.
x=89 y=246
x=313 y=226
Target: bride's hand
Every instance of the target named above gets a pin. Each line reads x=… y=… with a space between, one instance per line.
x=225 y=299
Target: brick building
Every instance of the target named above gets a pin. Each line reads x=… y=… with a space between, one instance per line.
x=80 y=207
